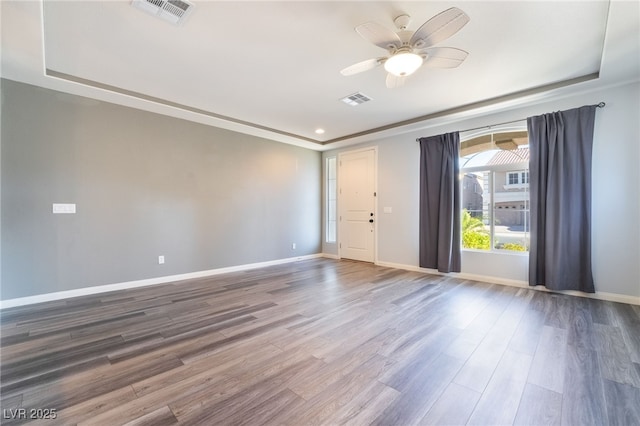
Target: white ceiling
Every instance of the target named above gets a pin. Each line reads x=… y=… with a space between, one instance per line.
x=272 y=68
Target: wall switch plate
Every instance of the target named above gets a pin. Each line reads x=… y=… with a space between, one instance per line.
x=160 y=260
x=388 y=210
x=293 y=246
x=59 y=208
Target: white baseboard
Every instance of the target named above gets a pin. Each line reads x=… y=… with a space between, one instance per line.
x=48 y=297
x=330 y=256
x=611 y=297
x=29 y=300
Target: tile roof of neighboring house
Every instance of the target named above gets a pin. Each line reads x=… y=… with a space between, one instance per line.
x=508 y=157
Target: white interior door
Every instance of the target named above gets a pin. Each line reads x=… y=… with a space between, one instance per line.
x=357 y=192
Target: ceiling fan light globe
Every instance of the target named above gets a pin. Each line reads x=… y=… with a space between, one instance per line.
x=403 y=64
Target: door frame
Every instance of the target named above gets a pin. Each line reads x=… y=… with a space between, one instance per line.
x=340 y=179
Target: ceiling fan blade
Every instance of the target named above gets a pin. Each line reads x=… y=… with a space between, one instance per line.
x=439 y=28
x=379 y=35
x=394 y=81
x=444 y=57
x=367 y=65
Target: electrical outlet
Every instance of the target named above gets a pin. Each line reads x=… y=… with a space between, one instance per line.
x=160 y=260
x=293 y=246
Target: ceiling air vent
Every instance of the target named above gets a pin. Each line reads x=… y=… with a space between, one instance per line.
x=174 y=11
x=356 y=99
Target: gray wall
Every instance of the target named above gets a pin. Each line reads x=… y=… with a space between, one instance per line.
x=616 y=192
x=145 y=185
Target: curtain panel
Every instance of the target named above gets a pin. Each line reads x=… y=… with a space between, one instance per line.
x=440 y=202
x=560 y=145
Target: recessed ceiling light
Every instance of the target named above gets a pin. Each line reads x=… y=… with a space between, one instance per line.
x=319 y=131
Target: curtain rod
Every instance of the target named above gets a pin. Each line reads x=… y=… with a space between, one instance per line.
x=599 y=105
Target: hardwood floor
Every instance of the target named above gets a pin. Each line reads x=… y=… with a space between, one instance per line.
x=322 y=342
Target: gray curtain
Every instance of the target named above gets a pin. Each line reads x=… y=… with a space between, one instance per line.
x=560 y=146
x=440 y=202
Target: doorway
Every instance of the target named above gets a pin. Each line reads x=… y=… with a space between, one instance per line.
x=357 y=204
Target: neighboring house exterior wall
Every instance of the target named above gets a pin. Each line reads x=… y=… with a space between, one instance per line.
x=472 y=191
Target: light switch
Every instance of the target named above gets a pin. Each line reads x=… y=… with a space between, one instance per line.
x=388 y=210
x=64 y=208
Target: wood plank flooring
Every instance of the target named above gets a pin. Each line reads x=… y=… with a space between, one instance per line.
x=322 y=342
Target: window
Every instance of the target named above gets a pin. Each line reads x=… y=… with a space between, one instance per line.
x=518 y=178
x=495 y=198
x=513 y=178
x=331 y=204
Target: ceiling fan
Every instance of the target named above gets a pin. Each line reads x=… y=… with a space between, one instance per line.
x=408 y=50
